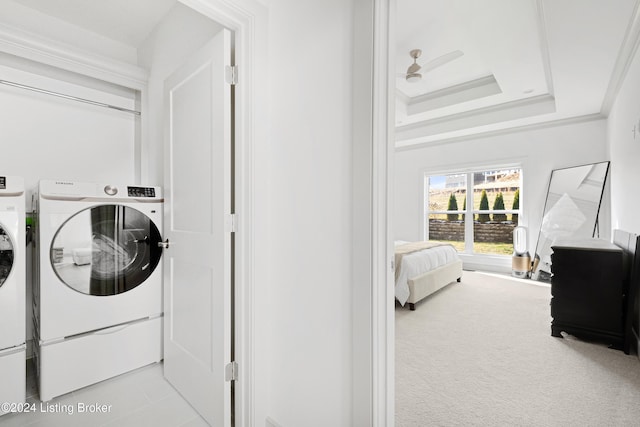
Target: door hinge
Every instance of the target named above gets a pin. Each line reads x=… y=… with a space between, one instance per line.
x=231 y=74
x=393 y=265
x=231 y=371
x=231 y=223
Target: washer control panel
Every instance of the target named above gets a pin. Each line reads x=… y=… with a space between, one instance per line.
x=3 y=182
x=141 y=192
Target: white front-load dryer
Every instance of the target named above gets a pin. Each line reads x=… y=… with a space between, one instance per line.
x=98 y=302
x=12 y=293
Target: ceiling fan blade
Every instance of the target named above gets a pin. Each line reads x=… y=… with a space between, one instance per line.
x=413 y=68
x=441 y=60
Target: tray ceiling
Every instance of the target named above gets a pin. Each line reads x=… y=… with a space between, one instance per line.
x=524 y=62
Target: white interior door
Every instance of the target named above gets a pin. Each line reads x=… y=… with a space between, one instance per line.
x=197 y=263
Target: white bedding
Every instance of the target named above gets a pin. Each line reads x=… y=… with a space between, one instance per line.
x=417 y=263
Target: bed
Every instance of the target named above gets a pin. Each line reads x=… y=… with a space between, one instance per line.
x=423 y=268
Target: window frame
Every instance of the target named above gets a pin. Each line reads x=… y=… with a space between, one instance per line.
x=470 y=212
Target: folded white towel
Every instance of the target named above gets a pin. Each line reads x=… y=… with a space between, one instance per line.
x=82 y=256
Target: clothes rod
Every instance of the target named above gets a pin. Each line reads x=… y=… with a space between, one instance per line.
x=73 y=98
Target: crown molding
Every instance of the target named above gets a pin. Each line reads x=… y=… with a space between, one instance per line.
x=522 y=108
x=626 y=54
x=408 y=145
x=489 y=80
x=468 y=91
x=544 y=44
x=15 y=41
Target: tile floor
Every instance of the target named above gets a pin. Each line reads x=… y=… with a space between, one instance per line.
x=139 y=398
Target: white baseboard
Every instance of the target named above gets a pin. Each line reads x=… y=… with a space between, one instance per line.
x=495 y=264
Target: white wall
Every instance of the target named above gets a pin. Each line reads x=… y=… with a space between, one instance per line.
x=625 y=152
x=307 y=314
x=45 y=137
x=181 y=33
x=539 y=150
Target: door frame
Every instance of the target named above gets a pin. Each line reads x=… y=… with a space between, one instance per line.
x=373 y=316
x=373 y=327
x=382 y=187
x=247 y=21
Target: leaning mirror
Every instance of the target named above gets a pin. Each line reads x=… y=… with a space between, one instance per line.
x=570 y=211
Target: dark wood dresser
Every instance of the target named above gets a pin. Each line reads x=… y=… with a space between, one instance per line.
x=588 y=288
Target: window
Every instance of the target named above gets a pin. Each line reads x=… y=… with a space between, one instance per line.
x=474 y=211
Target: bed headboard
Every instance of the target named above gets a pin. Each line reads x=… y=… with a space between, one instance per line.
x=630 y=245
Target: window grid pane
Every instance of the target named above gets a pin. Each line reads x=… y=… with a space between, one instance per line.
x=495 y=210
x=446 y=209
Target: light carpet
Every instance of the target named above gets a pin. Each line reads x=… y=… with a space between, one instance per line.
x=480 y=353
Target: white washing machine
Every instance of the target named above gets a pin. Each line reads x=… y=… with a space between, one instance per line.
x=98 y=298
x=12 y=291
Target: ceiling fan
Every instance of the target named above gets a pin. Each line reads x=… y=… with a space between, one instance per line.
x=415 y=70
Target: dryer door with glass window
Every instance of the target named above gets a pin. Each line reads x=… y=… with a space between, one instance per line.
x=106 y=250
x=6 y=255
